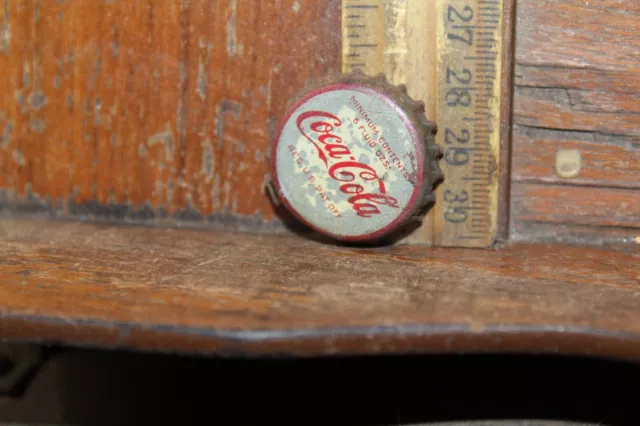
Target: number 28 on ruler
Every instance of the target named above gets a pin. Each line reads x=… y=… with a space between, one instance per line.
x=469 y=55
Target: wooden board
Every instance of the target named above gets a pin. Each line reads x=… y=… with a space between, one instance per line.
x=213 y=292
x=577 y=88
x=153 y=109
x=585 y=206
x=607 y=160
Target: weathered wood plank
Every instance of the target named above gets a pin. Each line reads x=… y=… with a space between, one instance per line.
x=606 y=161
x=556 y=109
x=599 y=35
x=577 y=205
x=507 y=79
x=606 y=82
x=577 y=88
x=222 y=292
x=569 y=233
x=148 y=109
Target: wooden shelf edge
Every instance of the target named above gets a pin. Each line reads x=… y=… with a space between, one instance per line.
x=420 y=339
x=178 y=290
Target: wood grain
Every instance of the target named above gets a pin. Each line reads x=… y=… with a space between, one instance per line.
x=577 y=88
x=584 y=206
x=152 y=109
x=607 y=161
x=171 y=289
x=506 y=116
x=571 y=233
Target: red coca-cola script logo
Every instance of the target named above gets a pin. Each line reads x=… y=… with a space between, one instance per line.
x=342 y=165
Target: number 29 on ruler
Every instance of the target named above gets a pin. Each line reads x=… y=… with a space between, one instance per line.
x=469 y=37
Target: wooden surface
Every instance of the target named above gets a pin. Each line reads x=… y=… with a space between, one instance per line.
x=114 y=109
x=184 y=290
x=577 y=88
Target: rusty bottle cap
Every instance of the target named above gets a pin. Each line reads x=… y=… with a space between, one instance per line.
x=355 y=158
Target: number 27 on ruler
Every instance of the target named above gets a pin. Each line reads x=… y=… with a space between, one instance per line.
x=469 y=35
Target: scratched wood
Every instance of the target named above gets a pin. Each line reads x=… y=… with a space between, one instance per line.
x=152 y=109
x=577 y=88
x=187 y=290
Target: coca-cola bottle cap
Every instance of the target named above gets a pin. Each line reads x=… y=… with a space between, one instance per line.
x=355 y=158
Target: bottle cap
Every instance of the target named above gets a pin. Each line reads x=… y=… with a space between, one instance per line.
x=355 y=158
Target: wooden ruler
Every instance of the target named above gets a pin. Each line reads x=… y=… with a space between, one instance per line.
x=449 y=54
x=363 y=36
